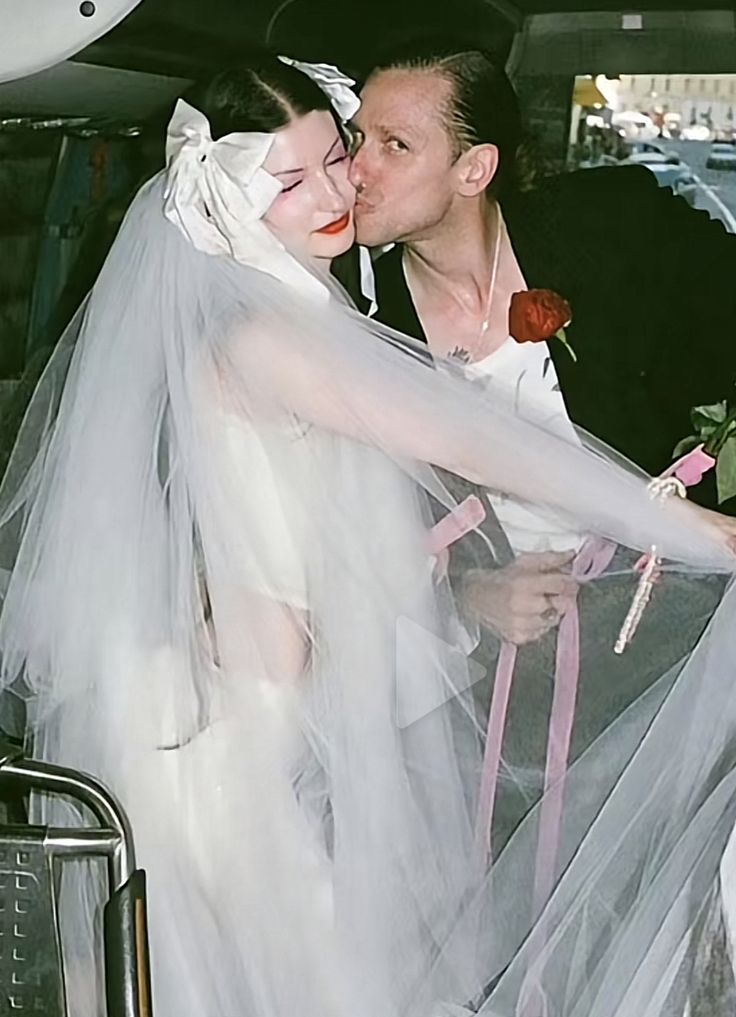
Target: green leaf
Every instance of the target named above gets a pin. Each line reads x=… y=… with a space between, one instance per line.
x=718 y=436
x=686 y=445
x=726 y=471
x=715 y=413
x=560 y=334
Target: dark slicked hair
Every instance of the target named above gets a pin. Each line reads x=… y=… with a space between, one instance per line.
x=260 y=94
x=482 y=108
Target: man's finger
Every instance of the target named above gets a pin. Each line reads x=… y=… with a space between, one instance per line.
x=555 y=584
x=545 y=561
x=532 y=634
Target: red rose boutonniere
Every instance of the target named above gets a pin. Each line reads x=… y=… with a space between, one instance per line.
x=536 y=316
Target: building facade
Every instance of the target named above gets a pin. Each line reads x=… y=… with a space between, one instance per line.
x=708 y=99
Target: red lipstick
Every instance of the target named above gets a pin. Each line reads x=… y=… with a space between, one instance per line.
x=337 y=226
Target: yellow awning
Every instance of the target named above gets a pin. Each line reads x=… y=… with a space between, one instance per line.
x=587 y=93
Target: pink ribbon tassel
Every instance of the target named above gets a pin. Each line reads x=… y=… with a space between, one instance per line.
x=590 y=563
x=467 y=516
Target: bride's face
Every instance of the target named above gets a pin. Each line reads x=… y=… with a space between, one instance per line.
x=313 y=215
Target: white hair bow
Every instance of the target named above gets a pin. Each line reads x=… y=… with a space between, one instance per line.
x=333 y=82
x=215 y=189
x=217 y=193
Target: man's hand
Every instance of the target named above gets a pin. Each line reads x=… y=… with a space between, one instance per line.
x=523 y=600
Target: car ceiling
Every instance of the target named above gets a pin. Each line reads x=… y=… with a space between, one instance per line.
x=162 y=44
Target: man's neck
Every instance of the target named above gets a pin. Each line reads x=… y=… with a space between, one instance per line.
x=457 y=258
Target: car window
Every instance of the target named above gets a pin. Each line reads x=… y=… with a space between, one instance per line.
x=679 y=127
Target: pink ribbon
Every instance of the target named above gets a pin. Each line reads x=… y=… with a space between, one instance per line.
x=690 y=468
x=467 y=516
x=591 y=562
x=494 y=740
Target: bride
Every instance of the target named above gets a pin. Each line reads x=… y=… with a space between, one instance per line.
x=224 y=604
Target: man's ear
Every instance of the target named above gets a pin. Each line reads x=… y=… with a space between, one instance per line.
x=475 y=169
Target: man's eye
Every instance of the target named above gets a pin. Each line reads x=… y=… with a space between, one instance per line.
x=397 y=145
x=338 y=159
x=285 y=190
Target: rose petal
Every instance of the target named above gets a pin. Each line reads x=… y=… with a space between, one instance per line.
x=537 y=315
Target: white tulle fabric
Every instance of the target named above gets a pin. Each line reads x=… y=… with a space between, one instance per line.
x=222 y=605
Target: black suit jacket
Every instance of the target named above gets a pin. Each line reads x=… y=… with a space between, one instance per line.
x=652 y=285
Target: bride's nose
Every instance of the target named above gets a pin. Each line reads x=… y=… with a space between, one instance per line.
x=330 y=191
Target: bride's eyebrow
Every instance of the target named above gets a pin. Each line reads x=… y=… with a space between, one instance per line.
x=300 y=169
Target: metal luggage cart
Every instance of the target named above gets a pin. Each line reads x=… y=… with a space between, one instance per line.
x=32 y=977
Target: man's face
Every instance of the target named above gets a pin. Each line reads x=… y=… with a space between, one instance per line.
x=404 y=167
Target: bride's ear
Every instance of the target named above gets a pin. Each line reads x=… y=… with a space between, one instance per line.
x=476 y=168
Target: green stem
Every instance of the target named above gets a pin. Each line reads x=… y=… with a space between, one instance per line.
x=563 y=339
x=720 y=436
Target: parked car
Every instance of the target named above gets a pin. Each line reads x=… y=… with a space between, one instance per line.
x=696 y=132
x=635 y=126
x=676 y=175
x=643 y=148
x=655 y=156
x=679 y=179
x=722 y=156
x=684 y=183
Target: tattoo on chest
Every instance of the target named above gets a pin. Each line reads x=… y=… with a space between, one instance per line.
x=460 y=354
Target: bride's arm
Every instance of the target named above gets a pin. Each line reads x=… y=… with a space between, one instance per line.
x=334 y=373
x=381 y=397
x=281 y=654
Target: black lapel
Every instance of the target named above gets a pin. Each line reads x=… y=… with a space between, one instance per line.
x=395 y=306
x=533 y=220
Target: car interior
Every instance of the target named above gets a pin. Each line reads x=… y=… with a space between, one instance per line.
x=85 y=91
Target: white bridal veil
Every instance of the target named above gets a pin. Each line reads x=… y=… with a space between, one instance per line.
x=223 y=603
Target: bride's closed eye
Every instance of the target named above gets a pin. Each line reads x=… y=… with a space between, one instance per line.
x=334 y=161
